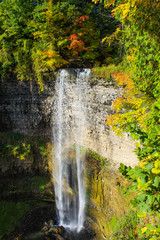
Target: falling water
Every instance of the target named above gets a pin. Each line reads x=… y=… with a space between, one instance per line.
x=69 y=130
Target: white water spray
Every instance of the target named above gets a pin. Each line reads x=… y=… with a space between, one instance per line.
x=69 y=130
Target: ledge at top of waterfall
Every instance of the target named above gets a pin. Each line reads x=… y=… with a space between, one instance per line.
x=69 y=129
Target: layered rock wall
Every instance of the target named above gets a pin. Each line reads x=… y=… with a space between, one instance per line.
x=24 y=110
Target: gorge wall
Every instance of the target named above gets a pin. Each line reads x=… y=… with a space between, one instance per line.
x=24 y=110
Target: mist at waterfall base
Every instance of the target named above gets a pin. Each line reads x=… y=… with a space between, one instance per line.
x=69 y=130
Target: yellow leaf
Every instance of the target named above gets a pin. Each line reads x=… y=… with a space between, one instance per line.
x=141 y=214
x=156 y=154
x=138 y=144
x=155 y=170
x=157 y=163
x=22 y=157
x=95 y=1
x=144 y=229
x=150 y=156
x=109 y=3
x=141 y=164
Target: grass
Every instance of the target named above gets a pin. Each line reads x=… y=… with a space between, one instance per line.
x=39 y=183
x=10 y=214
x=113 y=221
x=125 y=227
x=105 y=72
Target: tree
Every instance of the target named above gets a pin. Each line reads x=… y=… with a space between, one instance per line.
x=61 y=32
x=41 y=36
x=137 y=110
x=15 y=37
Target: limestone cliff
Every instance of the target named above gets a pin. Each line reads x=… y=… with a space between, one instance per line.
x=24 y=110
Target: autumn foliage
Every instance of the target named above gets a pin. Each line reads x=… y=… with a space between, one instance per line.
x=42 y=36
x=131 y=106
x=38 y=37
x=77 y=45
x=137 y=109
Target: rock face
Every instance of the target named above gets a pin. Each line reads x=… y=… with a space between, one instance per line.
x=24 y=110
x=105 y=203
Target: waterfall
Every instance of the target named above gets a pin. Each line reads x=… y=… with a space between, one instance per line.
x=69 y=129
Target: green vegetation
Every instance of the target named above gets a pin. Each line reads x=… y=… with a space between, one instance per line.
x=10 y=215
x=98 y=158
x=14 y=145
x=113 y=221
x=45 y=150
x=37 y=37
x=38 y=183
x=24 y=185
x=125 y=227
x=19 y=151
x=105 y=201
x=105 y=72
x=137 y=110
x=18 y=146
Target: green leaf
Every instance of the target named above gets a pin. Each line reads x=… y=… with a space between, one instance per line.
x=156 y=181
x=141 y=197
x=149 y=56
x=149 y=166
x=150 y=199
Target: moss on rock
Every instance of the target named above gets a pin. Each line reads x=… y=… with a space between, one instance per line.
x=105 y=203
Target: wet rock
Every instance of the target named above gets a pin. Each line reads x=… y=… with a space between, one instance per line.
x=44 y=229
x=55 y=232
x=53 y=229
x=51 y=223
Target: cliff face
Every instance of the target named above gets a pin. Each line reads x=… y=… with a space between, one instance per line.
x=24 y=110
x=105 y=203
x=26 y=127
